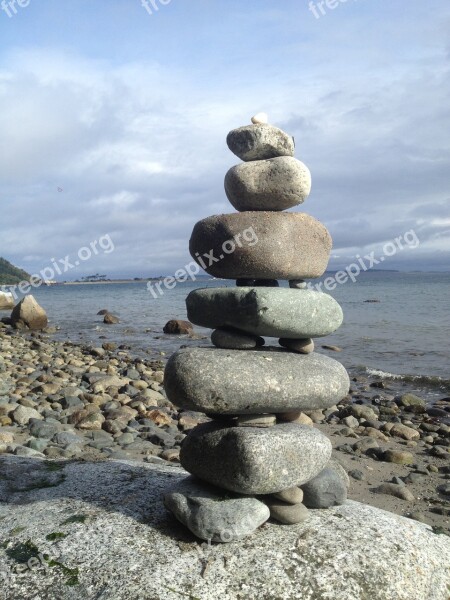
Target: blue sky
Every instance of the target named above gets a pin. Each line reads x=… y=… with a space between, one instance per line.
x=127 y=113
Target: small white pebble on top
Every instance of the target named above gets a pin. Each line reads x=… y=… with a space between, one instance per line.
x=260 y=118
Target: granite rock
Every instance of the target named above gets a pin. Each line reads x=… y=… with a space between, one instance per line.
x=213 y=380
x=259 y=142
x=250 y=460
x=273 y=312
x=261 y=245
x=128 y=547
x=274 y=184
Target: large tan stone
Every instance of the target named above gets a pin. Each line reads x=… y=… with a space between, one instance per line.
x=261 y=245
x=29 y=314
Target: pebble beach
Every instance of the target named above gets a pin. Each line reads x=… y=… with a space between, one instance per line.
x=62 y=401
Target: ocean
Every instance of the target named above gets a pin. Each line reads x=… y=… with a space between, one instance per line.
x=405 y=335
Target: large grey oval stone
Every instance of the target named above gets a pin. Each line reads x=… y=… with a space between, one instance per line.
x=213 y=380
x=204 y=510
x=258 y=142
x=261 y=245
x=272 y=312
x=250 y=460
x=274 y=184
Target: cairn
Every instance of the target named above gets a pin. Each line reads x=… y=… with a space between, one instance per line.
x=257 y=458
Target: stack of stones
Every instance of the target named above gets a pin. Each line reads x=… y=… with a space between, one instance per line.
x=259 y=451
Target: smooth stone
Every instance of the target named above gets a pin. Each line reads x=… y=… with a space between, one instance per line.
x=398 y=491
x=260 y=118
x=400 y=457
x=325 y=490
x=305 y=346
x=292 y=495
x=295 y=417
x=274 y=184
x=259 y=142
x=234 y=339
x=209 y=516
x=287 y=514
x=250 y=460
x=213 y=380
x=271 y=312
x=128 y=548
x=256 y=420
x=298 y=284
x=261 y=245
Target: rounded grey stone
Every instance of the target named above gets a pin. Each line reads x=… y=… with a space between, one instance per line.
x=250 y=460
x=233 y=339
x=272 y=312
x=325 y=490
x=209 y=516
x=213 y=380
x=261 y=245
x=259 y=142
x=274 y=184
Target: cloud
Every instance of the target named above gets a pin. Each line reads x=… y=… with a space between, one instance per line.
x=139 y=152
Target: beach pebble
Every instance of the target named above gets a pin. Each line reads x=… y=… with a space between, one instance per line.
x=298 y=284
x=287 y=514
x=178 y=327
x=275 y=184
x=398 y=491
x=260 y=118
x=305 y=346
x=256 y=420
x=256 y=461
x=110 y=319
x=292 y=495
x=234 y=339
x=23 y=414
x=325 y=490
x=259 y=142
x=295 y=417
x=412 y=403
x=400 y=457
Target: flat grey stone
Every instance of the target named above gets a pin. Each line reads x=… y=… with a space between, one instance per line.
x=233 y=339
x=324 y=490
x=210 y=516
x=129 y=547
x=281 y=245
x=272 y=312
x=288 y=514
x=274 y=184
x=213 y=380
x=259 y=142
x=256 y=421
x=302 y=346
x=251 y=460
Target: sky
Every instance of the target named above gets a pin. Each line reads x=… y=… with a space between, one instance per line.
x=114 y=117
